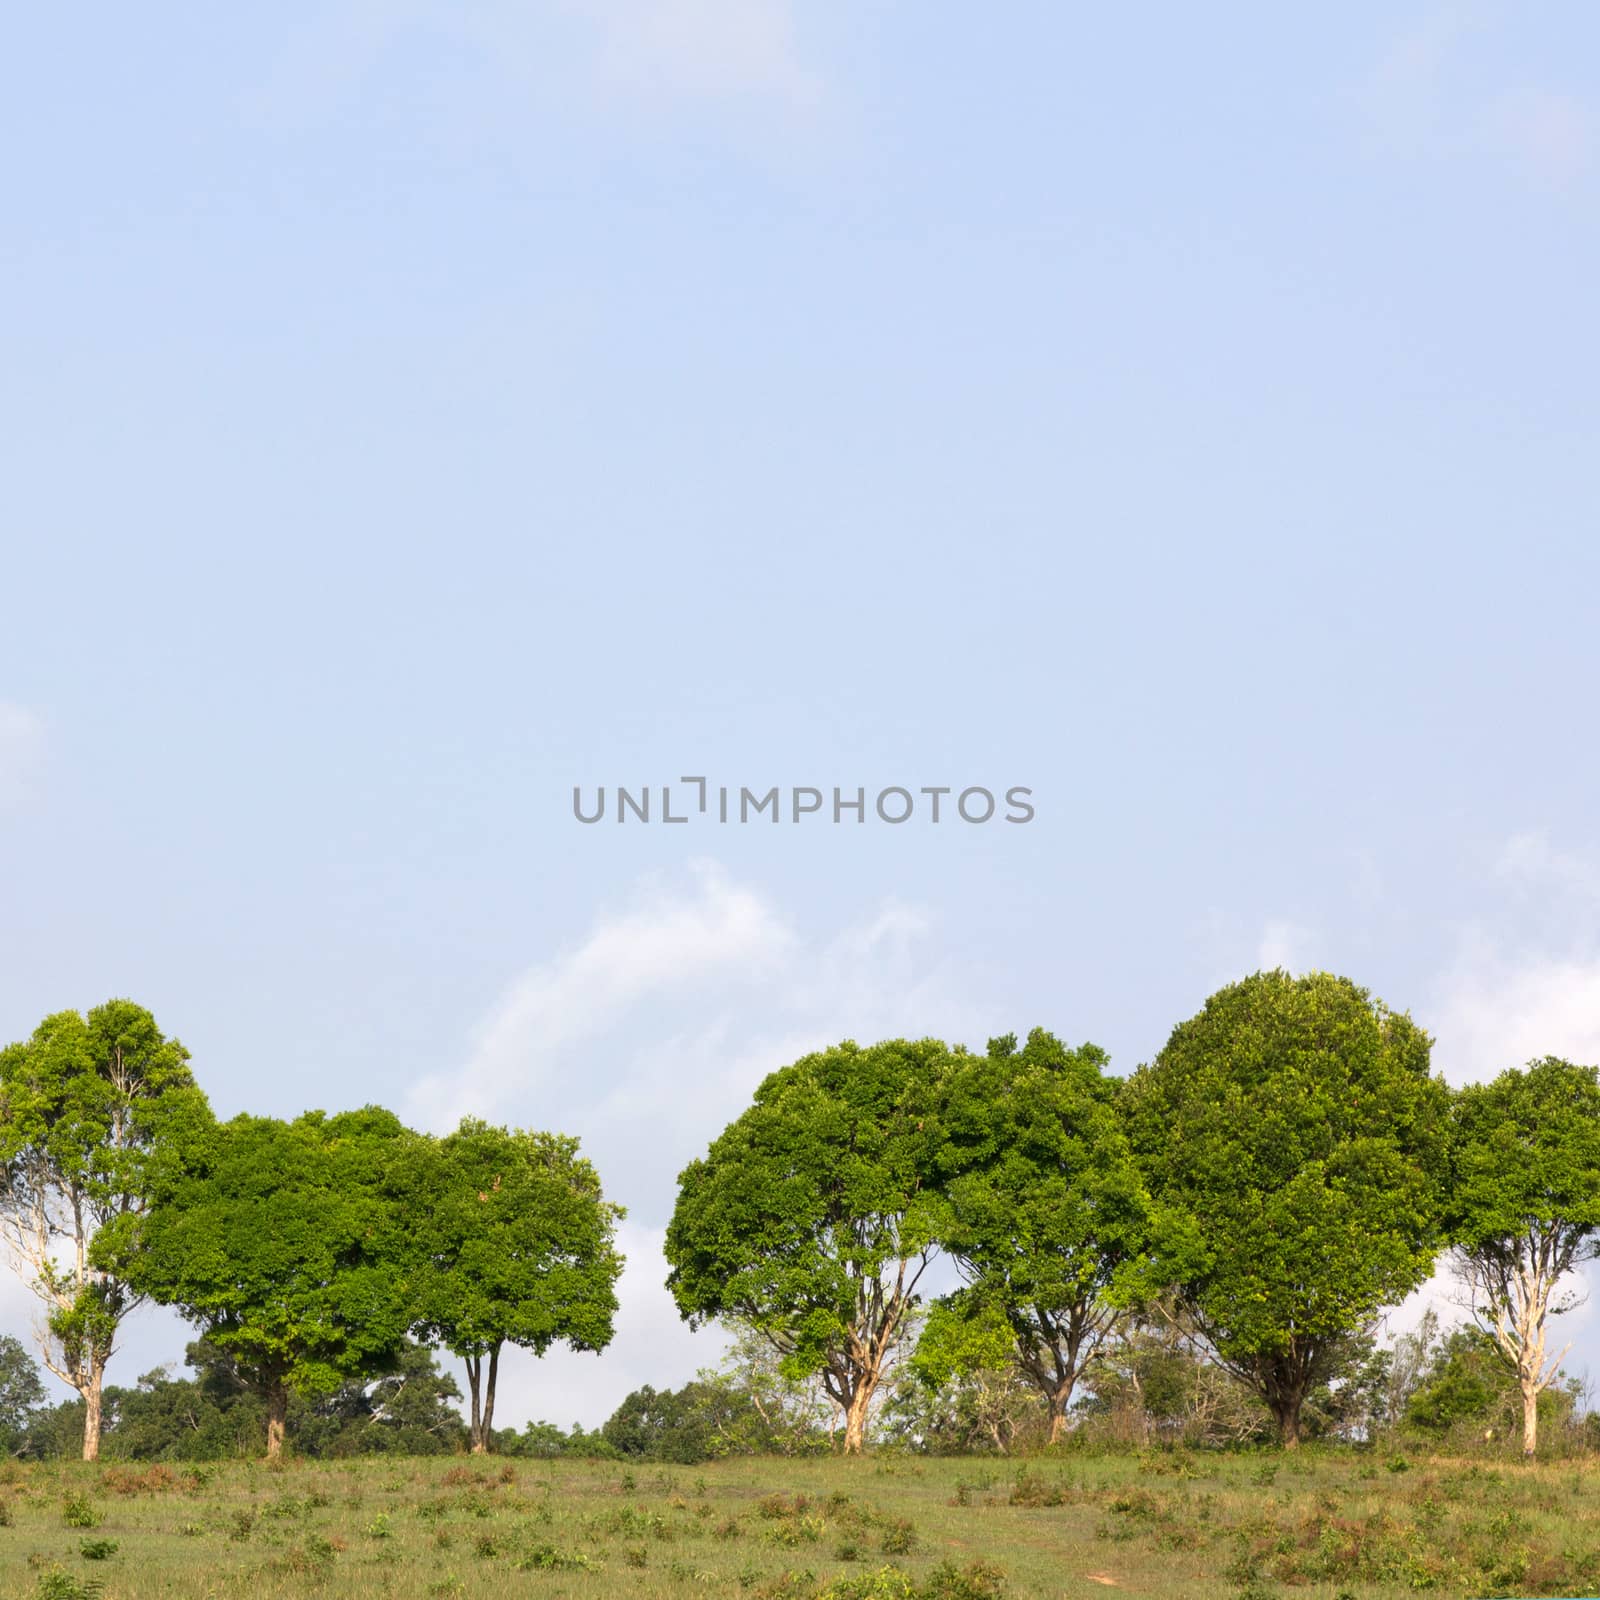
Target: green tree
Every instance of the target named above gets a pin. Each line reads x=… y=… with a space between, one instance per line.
x=691 y=1424
x=21 y=1395
x=1525 y=1210
x=814 y=1216
x=1152 y=1383
x=82 y=1103
x=1049 y=1215
x=408 y=1411
x=284 y=1243
x=962 y=1388
x=517 y=1246
x=1467 y=1381
x=1295 y=1129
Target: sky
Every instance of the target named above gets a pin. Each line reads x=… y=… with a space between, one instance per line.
x=411 y=411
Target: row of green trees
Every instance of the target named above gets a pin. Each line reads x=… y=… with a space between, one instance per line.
x=309 y=1253
x=1286 y=1168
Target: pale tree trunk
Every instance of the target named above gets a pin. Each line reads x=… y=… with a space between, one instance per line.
x=91 y=1412
x=1515 y=1289
x=1059 y=1402
x=277 y=1420
x=855 y=1417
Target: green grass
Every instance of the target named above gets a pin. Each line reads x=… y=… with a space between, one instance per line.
x=1316 y=1524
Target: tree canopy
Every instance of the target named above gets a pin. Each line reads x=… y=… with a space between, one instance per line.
x=1295 y=1127
x=1524 y=1208
x=83 y=1101
x=814 y=1215
x=282 y=1242
x=1049 y=1216
x=515 y=1244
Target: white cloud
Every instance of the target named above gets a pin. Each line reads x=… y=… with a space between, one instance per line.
x=1529 y=863
x=733 y=991
x=658 y=54
x=1431 y=97
x=21 y=752
x=664 y=941
x=1499 y=1010
x=699 y=48
x=1404 y=99
x=1548 y=132
x=645 y=1040
x=1283 y=944
x=1518 y=990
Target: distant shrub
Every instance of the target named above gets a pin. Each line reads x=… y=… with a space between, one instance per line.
x=77 y=1512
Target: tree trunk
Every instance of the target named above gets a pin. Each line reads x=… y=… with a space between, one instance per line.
x=855 y=1418
x=277 y=1420
x=91 y=1415
x=1286 y=1412
x=487 y=1433
x=1530 y=1421
x=474 y=1375
x=1059 y=1402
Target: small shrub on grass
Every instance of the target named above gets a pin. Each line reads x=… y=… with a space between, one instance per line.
x=978 y=1580
x=1029 y=1490
x=312 y=1559
x=97 y=1549
x=153 y=1480
x=77 y=1512
x=793 y=1586
x=546 y=1558
x=887 y=1583
x=59 y=1584
x=899 y=1537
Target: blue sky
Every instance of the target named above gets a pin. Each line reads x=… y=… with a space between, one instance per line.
x=414 y=410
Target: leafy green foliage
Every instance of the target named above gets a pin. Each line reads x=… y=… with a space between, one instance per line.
x=282 y=1241
x=83 y=1104
x=514 y=1243
x=685 y=1425
x=1049 y=1216
x=813 y=1216
x=1295 y=1131
x=21 y=1394
x=1527 y=1166
x=1524 y=1208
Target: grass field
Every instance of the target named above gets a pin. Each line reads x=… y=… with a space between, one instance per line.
x=1172 y=1524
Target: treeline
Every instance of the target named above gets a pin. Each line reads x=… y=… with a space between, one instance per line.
x=311 y=1255
x=1286 y=1168
x=1431 y=1390
x=1200 y=1251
